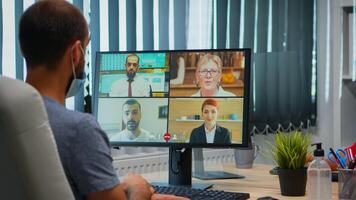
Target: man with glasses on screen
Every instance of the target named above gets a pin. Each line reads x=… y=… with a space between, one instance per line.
x=132 y=85
x=53 y=36
x=131 y=117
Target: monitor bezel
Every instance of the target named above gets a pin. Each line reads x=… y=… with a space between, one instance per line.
x=246 y=102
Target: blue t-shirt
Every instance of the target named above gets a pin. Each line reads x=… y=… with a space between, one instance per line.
x=83 y=149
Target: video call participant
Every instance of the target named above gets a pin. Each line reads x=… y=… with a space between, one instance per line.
x=210 y=131
x=208 y=77
x=53 y=36
x=131 y=116
x=132 y=85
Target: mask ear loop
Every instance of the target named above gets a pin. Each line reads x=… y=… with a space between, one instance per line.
x=83 y=52
x=71 y=61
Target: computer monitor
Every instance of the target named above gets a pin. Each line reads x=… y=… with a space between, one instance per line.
x=180 y=99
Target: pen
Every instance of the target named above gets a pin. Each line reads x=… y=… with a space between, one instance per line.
x=350 y=155
x=351 y=165
x=337 y=159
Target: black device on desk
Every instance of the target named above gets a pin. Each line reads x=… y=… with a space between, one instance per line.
x=156 y=98
x=195 y=194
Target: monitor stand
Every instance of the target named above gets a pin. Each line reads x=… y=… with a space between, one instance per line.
x=180 y=169
x=200 y=173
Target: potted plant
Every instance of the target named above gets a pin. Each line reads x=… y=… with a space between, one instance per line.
x=290 y=153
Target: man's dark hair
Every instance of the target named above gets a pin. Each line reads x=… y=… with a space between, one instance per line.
x=133 y=54
x=47 y=29
x=132 y=102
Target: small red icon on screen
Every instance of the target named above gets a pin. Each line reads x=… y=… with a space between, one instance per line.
x=167 y=137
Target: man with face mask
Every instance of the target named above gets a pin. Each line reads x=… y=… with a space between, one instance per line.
x=53 y=36
x=131 y=116
x=132 y=85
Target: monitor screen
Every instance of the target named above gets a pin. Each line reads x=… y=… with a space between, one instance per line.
x=196 y=98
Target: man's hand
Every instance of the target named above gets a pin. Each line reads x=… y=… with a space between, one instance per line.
x=136 y=187
x=167 y=197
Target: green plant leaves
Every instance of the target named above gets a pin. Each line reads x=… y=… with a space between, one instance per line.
x=290 y=150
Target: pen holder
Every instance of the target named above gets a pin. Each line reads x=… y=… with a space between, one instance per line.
x=347 y=184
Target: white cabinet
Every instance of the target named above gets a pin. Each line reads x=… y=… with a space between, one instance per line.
x=349 y=42
x=336 y=104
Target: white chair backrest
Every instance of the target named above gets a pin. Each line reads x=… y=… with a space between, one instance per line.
x=30 y=167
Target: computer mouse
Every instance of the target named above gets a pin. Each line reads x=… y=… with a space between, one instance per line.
x=267 y=198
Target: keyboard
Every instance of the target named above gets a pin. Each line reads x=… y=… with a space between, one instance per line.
x=199 y=194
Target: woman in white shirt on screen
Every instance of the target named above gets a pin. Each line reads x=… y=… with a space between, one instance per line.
x=210 y=131
x=208 y=77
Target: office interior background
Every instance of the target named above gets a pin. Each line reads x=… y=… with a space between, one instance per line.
x=303 y=62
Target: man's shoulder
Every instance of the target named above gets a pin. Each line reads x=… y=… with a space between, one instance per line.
x=118 y=136
x=65 y=120
x=145 y=131
x=147 y=135
x=56 y=109
x=119 y=81
x=141 y=80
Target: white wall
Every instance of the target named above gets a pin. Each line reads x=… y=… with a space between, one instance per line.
x=348 y=99
x=336 y=124
x=336 y=99
x=325 y=106
x=348 y=113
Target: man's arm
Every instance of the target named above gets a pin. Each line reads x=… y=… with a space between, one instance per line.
x=116 y=193
x=113 y=90
x=150 y=91
x=145 y=88
x=118 y=88
x=132 y=187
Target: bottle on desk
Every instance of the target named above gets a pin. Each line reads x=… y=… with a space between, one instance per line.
x=319 y=176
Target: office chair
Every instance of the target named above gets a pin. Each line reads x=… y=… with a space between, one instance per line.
x=30 y=167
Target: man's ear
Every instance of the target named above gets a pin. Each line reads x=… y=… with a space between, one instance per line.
x=76 y=52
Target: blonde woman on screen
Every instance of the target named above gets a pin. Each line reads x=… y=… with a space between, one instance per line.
x=208 y=77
